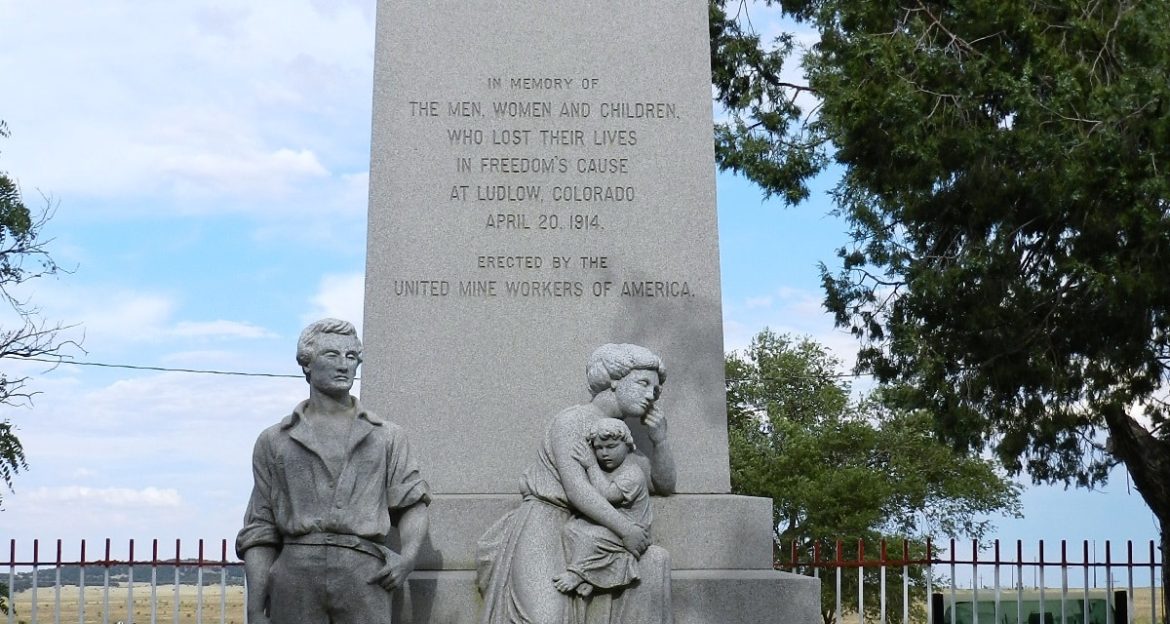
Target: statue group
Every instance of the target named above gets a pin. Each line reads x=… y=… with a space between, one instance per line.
x=578 y=548
x=332 y=479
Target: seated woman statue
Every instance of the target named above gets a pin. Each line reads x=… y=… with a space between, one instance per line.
x=520 y=555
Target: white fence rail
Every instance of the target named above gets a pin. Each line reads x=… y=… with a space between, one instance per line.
x=908 y=582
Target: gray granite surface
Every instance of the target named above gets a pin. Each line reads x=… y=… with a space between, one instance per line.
x=542 y=182
x=699 y=597
x=699 y=530
x=482 y=302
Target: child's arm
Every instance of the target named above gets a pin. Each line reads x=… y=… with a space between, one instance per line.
x=598 y=478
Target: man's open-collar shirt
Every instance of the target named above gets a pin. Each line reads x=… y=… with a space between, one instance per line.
x=296 y=494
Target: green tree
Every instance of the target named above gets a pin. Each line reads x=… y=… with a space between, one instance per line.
x=840 y=468
x=1005 y=175
x=23 y=257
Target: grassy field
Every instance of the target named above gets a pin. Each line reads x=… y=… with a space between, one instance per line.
x=1143 y=597
x=189 y=601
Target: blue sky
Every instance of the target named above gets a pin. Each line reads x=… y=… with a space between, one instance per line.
x=208 y=161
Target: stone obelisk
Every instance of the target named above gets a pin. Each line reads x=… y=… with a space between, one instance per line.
x=542 y=182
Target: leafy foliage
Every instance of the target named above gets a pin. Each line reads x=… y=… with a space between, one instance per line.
x=23 y=257
x=1005 y=177
x=765 y=136
x=1004 y=181
x=836 y=467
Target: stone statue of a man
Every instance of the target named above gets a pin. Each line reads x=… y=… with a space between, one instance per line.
x=331 y=481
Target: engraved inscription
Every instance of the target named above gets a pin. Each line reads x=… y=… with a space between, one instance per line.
x=522 y=109
x=544 y=157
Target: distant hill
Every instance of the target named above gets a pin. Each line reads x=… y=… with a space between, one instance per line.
x=120 y=574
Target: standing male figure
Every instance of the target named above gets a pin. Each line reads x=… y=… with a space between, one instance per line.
x=331 y=480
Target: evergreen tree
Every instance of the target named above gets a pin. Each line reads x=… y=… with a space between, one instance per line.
x=1004 y=169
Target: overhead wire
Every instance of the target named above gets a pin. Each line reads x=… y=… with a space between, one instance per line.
x=165 y=369
x=203 y=371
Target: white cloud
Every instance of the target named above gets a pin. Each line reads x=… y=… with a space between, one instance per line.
x=121 y=316
x=339 y=296
x=758 y=302
x=265 y=173
x=144 y=452
x=219 y=329
x=81 y=495
x=221 y=21
x=185 y=408
x=247 y=102
x=108 y=318
x=201 y=358
x=786 y=310
x=357 y=188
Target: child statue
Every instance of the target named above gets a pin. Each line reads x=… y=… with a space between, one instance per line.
x=595 y=555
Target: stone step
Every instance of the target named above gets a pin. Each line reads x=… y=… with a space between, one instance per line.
x=698 y=597
x=701 y=531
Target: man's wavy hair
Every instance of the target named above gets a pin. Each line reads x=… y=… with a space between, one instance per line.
x=307 y=344
x=612 y=362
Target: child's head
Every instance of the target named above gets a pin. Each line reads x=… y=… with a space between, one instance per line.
x=611 y=441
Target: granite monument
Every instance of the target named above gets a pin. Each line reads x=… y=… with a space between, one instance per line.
x=541 y=183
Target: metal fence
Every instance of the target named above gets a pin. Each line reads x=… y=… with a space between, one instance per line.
x=959 y=583
x=122 y=587
x=984 y=583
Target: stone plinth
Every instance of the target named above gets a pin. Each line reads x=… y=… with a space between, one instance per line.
x=718 y=531
x=699 y=597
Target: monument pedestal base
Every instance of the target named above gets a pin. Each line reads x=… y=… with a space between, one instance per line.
x=698 y=596
x=720 y=547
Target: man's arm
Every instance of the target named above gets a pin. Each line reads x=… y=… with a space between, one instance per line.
x=257 y=542
x=257 y=562
x=408 y=496
x=413 y=524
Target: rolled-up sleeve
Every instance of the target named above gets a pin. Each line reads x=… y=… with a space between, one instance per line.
x=259 y=517
x=405 y=486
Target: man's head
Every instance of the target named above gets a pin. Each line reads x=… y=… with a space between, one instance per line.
x=329 y=352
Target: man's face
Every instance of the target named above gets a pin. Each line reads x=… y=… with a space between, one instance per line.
x=610 y=453
x=637 y=392
x=334 y=364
